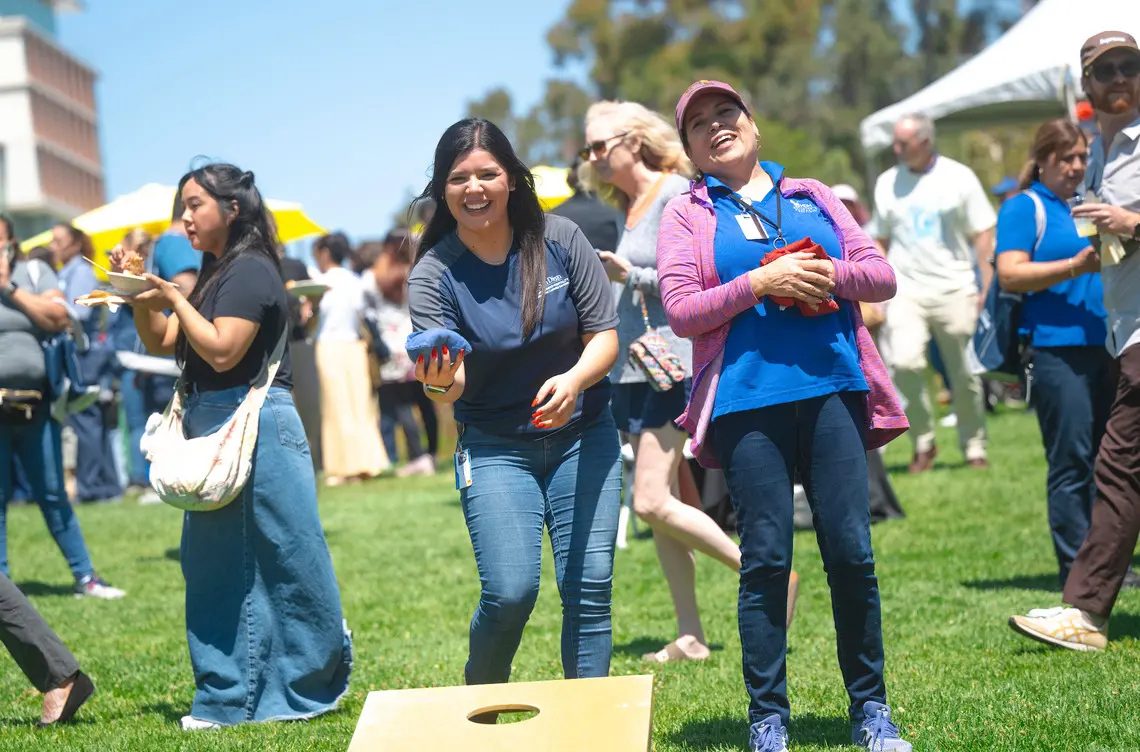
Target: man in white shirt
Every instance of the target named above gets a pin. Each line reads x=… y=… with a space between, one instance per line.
x=936 y=223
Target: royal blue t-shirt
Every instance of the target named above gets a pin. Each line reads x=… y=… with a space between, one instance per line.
x=775 y=356
x=452 y=288
x=1068 y=314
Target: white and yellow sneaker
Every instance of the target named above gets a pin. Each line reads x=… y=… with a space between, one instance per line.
x=1064 y=627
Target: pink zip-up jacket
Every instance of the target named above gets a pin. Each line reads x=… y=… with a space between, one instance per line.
x=698 y=306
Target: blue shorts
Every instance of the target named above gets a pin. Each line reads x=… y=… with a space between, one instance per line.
x=637 y=407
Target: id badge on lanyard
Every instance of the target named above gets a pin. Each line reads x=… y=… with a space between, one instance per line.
x=462 y=463
x=752 y=222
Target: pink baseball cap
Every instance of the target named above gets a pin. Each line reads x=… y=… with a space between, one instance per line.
x=704 y=86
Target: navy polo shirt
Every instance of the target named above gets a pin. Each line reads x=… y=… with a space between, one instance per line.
x=452 y=288
x=775 y=356
x=1068 y=314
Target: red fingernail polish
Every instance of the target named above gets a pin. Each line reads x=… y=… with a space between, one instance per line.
x=535 y=403
x=420 y=359
x=434 y=354
x=445 y=352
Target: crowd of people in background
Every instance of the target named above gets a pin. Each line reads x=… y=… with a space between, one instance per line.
x=691 y=300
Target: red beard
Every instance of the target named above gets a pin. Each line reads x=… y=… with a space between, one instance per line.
x=1116 y=102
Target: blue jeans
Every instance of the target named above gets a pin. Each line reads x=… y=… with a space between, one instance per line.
x=142 y=394
x=1072 y=395
x=263 y=615
x=761 y=450
x=570 y=482
x=37 y=444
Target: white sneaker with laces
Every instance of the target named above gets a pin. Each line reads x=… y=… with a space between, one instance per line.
x=1062 y=627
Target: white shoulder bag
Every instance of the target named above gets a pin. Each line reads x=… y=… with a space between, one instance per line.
x=207 y=473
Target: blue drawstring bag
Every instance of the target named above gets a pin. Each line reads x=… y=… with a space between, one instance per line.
x=996 y=350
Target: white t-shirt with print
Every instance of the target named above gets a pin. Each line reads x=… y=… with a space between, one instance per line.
x=929 y=220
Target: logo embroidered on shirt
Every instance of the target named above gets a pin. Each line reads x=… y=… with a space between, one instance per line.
x=803 y=207
x=557 y=282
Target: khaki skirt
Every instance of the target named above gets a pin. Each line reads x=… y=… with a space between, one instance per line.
x=350 y=415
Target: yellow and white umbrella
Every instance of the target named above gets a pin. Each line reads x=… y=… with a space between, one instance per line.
x=149 y=208
x=551 y=185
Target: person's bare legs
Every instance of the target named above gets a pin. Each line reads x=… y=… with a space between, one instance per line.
x=657 y=454
x=678 y=528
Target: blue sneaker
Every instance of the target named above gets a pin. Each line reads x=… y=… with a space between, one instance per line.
x=876 y=732
x=768 y=735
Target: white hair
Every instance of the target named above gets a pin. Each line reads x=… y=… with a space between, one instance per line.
x=923 y=125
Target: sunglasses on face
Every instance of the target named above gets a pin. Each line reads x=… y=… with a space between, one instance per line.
x=599 y=148
x=1105 y=73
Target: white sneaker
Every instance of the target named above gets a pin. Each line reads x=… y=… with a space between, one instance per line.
x=950 y=421
x=149 y=496
x=94 y=586
x=190 y=723
x=1062 y=627
x=423 y=465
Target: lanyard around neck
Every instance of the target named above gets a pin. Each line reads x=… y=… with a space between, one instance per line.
x=747 y=205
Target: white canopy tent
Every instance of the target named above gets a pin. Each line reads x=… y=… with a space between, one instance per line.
x=1027 y=75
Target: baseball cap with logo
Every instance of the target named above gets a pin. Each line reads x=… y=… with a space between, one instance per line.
x=704 y=86
x=1098 y=44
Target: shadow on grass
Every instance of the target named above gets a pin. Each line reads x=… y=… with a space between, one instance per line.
x=641 y=645
x=1046 y=582
x=168 y=712
x=36 y=589
x=30 y=724
x=732 y=731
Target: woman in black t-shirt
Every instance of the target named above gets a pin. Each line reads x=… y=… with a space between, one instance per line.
x=259 y=579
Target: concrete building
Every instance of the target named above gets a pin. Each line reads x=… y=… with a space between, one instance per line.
x=50 y=166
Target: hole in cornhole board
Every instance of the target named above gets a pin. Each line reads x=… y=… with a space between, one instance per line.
x=504 y=714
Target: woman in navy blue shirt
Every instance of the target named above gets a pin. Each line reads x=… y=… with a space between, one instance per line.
x=1063 y=314
x=537 y=444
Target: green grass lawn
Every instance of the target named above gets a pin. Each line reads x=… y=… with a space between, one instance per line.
x=974 y=549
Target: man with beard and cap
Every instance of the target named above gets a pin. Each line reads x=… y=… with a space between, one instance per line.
x=1110 y=63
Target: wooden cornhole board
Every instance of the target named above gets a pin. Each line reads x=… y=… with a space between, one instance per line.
x=611 y=714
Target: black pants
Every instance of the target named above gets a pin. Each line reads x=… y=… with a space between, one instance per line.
x=397 y=408
x=37 y=650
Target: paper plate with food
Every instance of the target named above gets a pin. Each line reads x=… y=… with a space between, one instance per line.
x=131 y=280
x=101 y=297
x=306 y=288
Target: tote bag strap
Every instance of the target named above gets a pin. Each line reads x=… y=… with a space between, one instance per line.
x=260 y=390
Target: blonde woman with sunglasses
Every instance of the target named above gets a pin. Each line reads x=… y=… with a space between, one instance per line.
x=633 y=159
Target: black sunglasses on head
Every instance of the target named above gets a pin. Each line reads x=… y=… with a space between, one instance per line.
x=1105 y=73
x=598 y=148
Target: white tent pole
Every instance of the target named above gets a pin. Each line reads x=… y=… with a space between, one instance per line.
x=1070 y=94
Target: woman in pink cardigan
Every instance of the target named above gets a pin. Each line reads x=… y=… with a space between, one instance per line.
x=765 y=273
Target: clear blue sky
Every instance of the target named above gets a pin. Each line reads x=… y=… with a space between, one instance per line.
x=337 y=104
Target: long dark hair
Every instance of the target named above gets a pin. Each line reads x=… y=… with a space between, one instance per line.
x=524 y=212
x=252 y=230
x=1055 y=136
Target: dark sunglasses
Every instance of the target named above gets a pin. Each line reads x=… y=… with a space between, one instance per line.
x=598 y=148
x=1105 y=73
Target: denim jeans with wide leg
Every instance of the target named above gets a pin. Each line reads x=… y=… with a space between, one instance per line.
x=760 y=451
x=38 y=445
x=1072 y=395
x=569 y=482
x=263 y=615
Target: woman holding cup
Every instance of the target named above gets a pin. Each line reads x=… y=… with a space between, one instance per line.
x=1042 y=252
